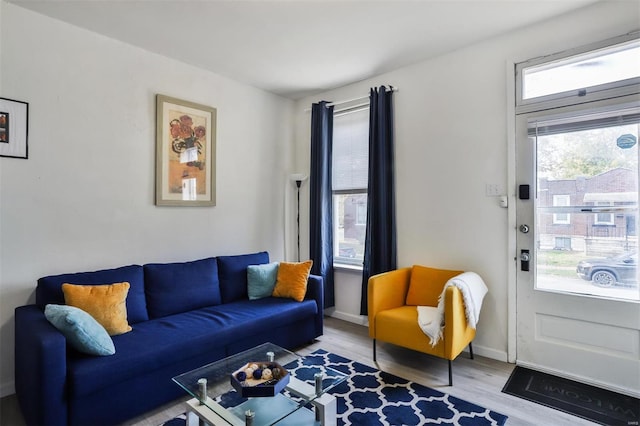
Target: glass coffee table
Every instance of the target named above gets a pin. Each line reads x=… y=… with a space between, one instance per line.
x=217 y=398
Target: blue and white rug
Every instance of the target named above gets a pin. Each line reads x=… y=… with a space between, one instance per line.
x=372 y=397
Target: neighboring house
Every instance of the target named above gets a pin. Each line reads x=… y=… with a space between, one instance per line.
x=355 y=217
x=597 y=233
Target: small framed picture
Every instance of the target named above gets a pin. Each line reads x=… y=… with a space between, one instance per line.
x=185 y=153
x=14 y=125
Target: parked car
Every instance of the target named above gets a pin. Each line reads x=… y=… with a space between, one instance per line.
x=606 y=272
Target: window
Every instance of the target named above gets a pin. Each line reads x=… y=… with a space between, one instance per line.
x=580 y=111
x=604 y=218
x=561 y=201
x=604 y=70
x=562 y=243
x=361 y=212
x=611 y=64
x=593 y=185
x=350 y=176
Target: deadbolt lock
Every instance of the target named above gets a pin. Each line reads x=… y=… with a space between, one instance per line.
x=525 y=257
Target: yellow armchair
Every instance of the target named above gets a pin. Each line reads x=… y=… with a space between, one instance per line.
x=393 y=316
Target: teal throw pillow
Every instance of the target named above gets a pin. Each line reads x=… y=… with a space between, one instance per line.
x=261 y=279
x=83 y=332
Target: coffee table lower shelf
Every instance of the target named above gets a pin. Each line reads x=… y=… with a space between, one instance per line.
x=215 y=414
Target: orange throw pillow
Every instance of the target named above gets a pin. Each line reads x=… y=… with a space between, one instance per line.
x=105 y=303
x=292 y=280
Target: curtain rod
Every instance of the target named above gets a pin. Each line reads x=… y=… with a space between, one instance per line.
x=346 y=101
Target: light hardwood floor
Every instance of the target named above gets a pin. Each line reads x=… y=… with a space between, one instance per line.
x=479 y=381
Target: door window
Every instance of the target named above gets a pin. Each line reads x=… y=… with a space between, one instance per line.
x=587 y=203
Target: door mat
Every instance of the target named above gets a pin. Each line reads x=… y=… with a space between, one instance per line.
x=589 y=402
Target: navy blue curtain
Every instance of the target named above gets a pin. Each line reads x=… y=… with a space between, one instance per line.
x=380 y=251
x=321 y=200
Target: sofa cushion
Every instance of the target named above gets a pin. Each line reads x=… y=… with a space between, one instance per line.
x=49 y=289
x=172 y=288
x=261 y=279
x=82 y=332
x=233 y=274
x=105 y=303
x=175 y=338
x=292 y=280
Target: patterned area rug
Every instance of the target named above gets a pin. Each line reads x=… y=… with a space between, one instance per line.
x=373 y=397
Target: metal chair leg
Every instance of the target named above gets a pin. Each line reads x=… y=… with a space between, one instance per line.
x=471 y=350
x=450 y=374
x=374 y=350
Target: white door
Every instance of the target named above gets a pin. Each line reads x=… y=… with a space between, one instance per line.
x=577 y=296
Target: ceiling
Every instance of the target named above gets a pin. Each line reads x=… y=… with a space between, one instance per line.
x=296 y=48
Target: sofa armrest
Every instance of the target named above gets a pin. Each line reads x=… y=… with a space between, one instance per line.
x=40 y=368
x=386 y=291
x=315 y=291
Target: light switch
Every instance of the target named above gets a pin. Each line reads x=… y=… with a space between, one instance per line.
x=493 y=190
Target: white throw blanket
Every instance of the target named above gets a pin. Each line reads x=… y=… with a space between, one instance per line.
x=473 y=289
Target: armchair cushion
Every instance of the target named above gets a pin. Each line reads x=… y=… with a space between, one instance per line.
x=400 y=327
x=426 y=284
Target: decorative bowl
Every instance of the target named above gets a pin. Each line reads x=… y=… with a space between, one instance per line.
x=259 y=383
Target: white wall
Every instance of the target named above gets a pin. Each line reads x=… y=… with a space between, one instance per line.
x=1 y=9
x=451 y=123
x=84 y=199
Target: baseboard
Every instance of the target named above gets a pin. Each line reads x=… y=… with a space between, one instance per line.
x=490 y=353
x=7 y=389
x=581 y=379
x=356 y=319
x=363 y=320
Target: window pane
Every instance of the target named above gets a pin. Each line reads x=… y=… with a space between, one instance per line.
x=604 y=218
x=350 y=177
x=350 y=150
x=561 y=201
x=609 y=65
x=587 y=210
x=350 y=217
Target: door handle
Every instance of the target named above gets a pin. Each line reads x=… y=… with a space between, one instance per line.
x=524 y=228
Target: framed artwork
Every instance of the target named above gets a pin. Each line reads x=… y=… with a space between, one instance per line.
x=185 y=153
x=14 y=127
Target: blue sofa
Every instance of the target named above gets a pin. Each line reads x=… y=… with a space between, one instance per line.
x=184 y=315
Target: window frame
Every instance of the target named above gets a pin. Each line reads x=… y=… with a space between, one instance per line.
x=596 y=216
x=351 y=263
x=337 y=259
x=576 y=96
